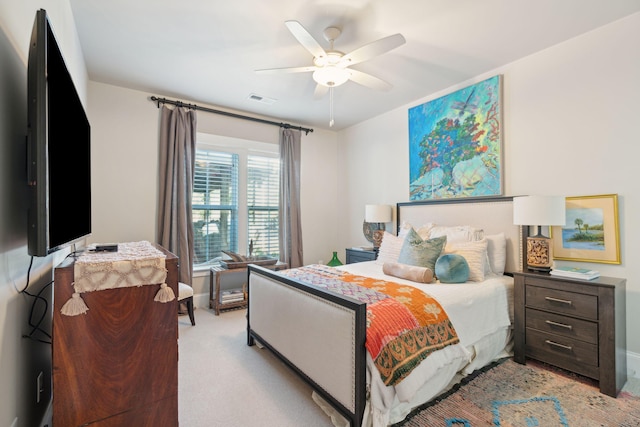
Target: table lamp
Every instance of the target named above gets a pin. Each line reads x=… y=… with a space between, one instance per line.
x=539 y=211
x=375 y=217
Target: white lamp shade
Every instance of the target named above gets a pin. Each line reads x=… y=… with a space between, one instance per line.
x=331 y=76
x=377 y=213
x=539 y=210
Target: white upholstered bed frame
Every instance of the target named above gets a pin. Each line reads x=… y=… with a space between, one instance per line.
x=321 y=335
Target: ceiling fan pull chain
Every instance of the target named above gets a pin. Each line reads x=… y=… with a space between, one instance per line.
x=331 y=107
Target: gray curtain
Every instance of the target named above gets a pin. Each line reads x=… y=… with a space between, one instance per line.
x=177 y=161
x=290 y=224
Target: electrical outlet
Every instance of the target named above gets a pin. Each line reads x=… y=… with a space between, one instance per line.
x=39 y=386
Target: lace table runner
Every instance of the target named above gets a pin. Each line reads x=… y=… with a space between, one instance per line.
x=134 y=264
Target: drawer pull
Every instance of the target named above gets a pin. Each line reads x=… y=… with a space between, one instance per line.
x=562 y=325
x=563 y=301
x=566 y=347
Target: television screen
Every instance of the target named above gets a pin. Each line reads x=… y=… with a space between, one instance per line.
x=59 y=143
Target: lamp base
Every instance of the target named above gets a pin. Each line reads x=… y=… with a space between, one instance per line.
x=539 y=253
x=373 y=232
x=377 y=238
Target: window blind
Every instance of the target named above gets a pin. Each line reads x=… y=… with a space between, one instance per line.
x=215 y=205
x=263 y=192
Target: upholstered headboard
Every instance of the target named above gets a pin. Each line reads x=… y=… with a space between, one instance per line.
x=493 y=215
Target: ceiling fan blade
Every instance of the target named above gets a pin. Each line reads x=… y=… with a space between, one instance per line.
x=368 y=80
x=305 y=39
x=372 y=49
x=287 y=70
x=320 y=91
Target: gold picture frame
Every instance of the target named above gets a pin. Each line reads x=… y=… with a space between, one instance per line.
x=591 y=233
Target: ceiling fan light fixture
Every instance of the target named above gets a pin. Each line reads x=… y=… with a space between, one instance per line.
x=330 y=67
x=331 y=76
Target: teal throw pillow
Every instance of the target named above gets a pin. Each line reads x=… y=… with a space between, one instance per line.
x=452 y=268
x=423 y=253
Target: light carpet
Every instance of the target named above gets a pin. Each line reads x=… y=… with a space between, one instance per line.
x=514 y=395
x=223 y=382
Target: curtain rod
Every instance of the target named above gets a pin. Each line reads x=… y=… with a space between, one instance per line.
x=226 y=113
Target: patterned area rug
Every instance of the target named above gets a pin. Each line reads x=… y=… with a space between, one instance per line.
x=534 y=395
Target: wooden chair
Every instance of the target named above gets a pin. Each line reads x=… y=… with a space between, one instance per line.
x=185 y=294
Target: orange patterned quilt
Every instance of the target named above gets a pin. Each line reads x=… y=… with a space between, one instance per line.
x=404 y=324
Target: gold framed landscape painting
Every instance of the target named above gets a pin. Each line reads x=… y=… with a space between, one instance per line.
x=591 y=232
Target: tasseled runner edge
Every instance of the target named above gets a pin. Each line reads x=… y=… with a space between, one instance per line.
x=165 y=294
x=76 y=305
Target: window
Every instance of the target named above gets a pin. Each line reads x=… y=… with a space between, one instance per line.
x=235 y=199
x=263 y=190
x=214 y=205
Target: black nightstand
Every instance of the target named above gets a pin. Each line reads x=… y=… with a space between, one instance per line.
x=357 y=255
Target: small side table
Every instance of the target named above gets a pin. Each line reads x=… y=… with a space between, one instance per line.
x=358 y=255
x=216 y=273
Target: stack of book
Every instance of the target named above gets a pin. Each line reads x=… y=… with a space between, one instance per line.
x=233 y=295
x=575 y=273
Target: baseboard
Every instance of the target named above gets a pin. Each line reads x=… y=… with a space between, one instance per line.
x=201 y=300
x=48 y=416
x=633 y=365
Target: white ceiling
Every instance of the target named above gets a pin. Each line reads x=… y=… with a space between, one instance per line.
x=206 y=51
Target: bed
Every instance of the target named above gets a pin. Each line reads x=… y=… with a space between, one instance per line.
x=322 y=334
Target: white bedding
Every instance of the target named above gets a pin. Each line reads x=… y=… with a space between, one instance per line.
x=481 y=313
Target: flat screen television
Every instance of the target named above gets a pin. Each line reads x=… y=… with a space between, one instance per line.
x=58 y=148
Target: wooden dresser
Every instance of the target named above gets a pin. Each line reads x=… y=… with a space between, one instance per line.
x=577 y=325
x=116 y=365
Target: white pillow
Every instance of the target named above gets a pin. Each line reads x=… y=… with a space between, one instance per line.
x=423 y=231
x=456 y=234
x=404 y=229
x=476 y=255
x=497 y=252
x=389 y=248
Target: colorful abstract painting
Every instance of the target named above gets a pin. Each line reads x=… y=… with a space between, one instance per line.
x=455 y=144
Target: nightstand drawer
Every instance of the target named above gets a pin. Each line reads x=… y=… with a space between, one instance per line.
x=563 y=302
x=561 y=351
x=565 y=326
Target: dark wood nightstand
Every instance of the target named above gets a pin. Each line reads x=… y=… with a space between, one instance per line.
x=358 y=255
x=577 y=325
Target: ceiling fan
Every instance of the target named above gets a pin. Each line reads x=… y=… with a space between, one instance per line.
x=331 y=67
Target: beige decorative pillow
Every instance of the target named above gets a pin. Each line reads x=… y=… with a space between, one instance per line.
x=476 y=255
x=389 y=248
x=408 y=272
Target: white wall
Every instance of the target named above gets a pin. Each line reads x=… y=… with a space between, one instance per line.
x=124 y=127
x=570 y=122
x=21 y=359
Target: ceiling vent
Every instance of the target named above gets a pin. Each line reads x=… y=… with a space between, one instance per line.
x=262 y=99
